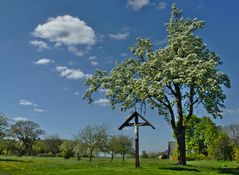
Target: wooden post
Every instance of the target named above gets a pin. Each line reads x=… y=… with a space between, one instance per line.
x=136 y=125
x=136 y=132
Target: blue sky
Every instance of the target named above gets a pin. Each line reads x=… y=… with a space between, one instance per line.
x=49 y=48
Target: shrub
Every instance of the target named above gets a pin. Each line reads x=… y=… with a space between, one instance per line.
x=223 y=148
x=196 y=157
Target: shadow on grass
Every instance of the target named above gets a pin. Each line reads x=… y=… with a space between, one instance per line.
x=181 y=169
x=228 y=171
x=14 y=160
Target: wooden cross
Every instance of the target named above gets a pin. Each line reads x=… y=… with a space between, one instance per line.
x=136 y=116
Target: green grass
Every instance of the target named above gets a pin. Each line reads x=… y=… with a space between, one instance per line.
x=102 y=166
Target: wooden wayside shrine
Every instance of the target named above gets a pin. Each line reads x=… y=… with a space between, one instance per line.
x=133 y=120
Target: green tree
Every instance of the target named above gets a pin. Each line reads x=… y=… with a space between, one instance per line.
x=53 y=144
x=125 y=144
x=144 y=154
x=27 y=132
x=223 y=148
x=117 y=144
x=79 y=149
x=93 y=137
x=172 y=79
x=3 y=126
x=40 y=147
x=199 y=144
x=66 y=149
x=112 y=147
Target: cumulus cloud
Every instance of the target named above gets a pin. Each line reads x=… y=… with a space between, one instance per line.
x=93 y=61
x=102 y=101
x=161 y=5
x=39 y=110
x=73 y=74
x=27 y=103
x=20 y=119
x=43 y=61
x=40 y=44
x=75 y=51
x=136 y=5
x=68 y=31
x=119 y=36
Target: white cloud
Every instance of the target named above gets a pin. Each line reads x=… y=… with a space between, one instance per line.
x=20 y=119
x=43 y=61
x=66 y=30
x=92 y=58
x=161 y=5
x=26 y=103
x=40 y=44
x=76 y=93
x=119 y=36
x=73 y=74
x=102 y=101
x=39 y=110
x=136 y=5
x=76 y=51
x=93 y=61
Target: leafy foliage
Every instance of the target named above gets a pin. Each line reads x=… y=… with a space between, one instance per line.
x=67 y=149
x=27 y=132
x=200 y=144
x=172 y=79
x=93 y=137
x=223 y=147
x=3 y=126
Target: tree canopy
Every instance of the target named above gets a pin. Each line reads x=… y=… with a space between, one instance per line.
x=200 y=136
x=27 y=132
x=172 y=79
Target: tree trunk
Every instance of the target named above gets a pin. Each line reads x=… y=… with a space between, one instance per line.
x=90 y=155
x=181 y=146
x=112 y=158
x=7 y=151
x=78 y=156
x=123 y=157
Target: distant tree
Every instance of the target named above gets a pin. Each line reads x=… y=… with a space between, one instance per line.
x=223 y=148
x=93 y=137
x=27 y=132
x=125 y=145
x=66 y=149
x=8 y=145
x=40 y=147
x=233 y=132
x=153 y=154
x=3 y=126
x=173 y=79
x=198 y=142
x=144 y=154
x=53 y=143
x=79 y=149
x=112 y=146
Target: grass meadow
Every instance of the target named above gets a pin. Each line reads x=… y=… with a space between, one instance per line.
x=102 y=166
